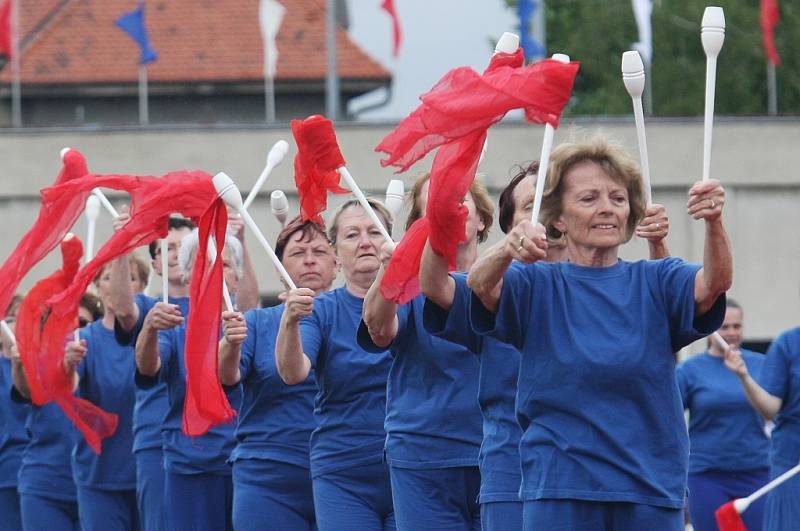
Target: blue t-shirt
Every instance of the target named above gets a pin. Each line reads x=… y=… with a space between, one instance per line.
x=207 y=454
x=106 y=380
x=497 y=392
x=432 y=415
x=598 y=401
x=276 y=420
x=780 y=377
x=13 y=437
x=151 y=403
x=350 y=404
x=725 y=432
x=45 y=470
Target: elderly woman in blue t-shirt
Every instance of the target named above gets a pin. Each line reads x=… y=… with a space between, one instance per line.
x=604 y=444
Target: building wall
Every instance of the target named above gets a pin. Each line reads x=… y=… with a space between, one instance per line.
x=757 y=160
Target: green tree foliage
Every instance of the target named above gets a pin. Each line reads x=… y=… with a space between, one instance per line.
x=596 y=32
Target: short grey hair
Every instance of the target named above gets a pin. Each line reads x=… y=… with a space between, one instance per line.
x=189 y=245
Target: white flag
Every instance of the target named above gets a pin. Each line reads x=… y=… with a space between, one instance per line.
x=642 y=11
x=270 y=16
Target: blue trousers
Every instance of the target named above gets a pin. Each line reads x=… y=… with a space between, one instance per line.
x=150 y=488
x=39 y=513
x=710 y=490
x=436 y=499
x=358 y=498
x=581 y=515
x=783 y=504
x=197 y=502
x=11 y=520
x=101 y=510
x=269 y=494
x=501 y=516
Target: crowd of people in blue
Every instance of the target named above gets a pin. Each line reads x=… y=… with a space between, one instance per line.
x=536 y=387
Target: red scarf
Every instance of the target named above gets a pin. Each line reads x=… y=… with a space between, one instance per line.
x=455 y=116
x=49 y=229
x=206 y=404
x=315 y=165
x=44 y=362
x=153 y=199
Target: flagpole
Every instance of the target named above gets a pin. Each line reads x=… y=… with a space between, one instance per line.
x=332 y=78
x=540 y=28
x=772 y=90
x=16 y=86
x=144 y=111
x=269 y=86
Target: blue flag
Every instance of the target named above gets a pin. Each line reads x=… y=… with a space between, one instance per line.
x=133 y=24
x=532 y=48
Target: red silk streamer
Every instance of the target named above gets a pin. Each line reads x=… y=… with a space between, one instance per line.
x=455 y=116
x=388 y=6
x=43 y=361
x=152 y=201
x=206 y=404
x=315 y=165
x=48 y=230
x=770 y=16
x=728 y=519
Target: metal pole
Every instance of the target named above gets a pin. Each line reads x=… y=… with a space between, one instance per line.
x=772 y=90
x=540 y=28
x=332 y=77
x=144 y=113
x=16 y=86
x=269 y=94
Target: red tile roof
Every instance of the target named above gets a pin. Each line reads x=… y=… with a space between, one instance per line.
x=77 y=42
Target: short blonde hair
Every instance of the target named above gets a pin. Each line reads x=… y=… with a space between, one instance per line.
x=376 y=205
x=483 y=204
x=613 y=159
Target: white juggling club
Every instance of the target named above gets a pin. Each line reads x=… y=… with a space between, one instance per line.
x=211 y=251
x=97 y=192
x=279 y=206
x=8 y=332
x=720 y=341
x=508 y=43
x=165 y=269
x=634 y=78
x=274 y=157
x=712 y=35
x=742 y=504
x=544 y=158
x=92 y=211
x=229 y=193
x=395 y=193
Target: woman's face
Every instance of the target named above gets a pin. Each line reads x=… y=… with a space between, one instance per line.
x=732 y=328
x=522 y=197
x=103 y=284
x=357 y=242
x=311 y=264
x=594 y=208
x=474 y=222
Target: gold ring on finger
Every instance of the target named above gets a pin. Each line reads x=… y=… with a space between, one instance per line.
x=519 y=249
x=713 y=204
x=658 y=226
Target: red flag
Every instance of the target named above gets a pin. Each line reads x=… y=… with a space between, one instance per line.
x=455 y=116
x=728 y=518
x=153 y=199
x=388 y=6
x=6 y=46
x=205 y=404
x=770 y=17
x=43 y=360
x=315 y=165
x=48 y=230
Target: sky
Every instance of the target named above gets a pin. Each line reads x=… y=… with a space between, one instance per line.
x=438 y=35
